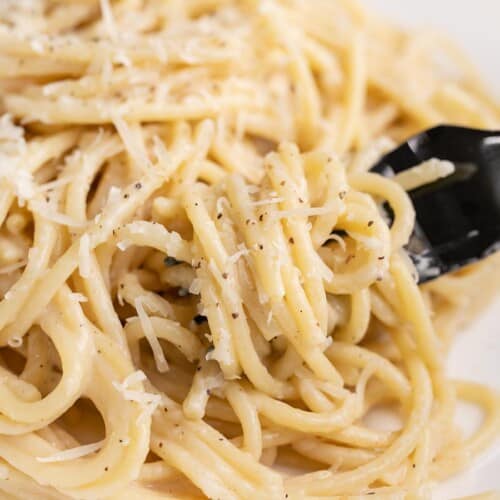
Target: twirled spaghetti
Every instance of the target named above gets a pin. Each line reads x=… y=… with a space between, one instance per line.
x=201 y=296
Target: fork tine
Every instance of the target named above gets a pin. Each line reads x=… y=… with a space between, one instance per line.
x=458 y=218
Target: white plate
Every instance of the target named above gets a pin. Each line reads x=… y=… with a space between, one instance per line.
x=476 y=353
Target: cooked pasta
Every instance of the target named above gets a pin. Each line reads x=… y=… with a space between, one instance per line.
x=201 y=295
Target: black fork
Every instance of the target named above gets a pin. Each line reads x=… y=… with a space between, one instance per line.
x=458 y=217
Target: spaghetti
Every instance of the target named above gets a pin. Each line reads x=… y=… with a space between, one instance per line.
x=200 y=294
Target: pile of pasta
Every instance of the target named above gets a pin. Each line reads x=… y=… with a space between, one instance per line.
x=201 y=296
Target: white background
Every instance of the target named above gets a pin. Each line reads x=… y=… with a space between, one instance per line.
x=475 y=24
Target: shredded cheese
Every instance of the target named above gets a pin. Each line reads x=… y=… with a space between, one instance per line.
x=232 y=259
x=268 y=201
x=48 y=186
x=160 y=151
x=47 y=212
x=15 y=342
x=72 y=453
x=222 y=351
x=20 y=180
x=123 y=245
x=195 y=287
x=108 y=20
x=37 y=46
x=133 y=144
x=79 y=297
x=148 y=401
x=219 y=204
x=269 y=317
x=9 y=131
x=147 y=328
x=114 y=195
x=134 y=378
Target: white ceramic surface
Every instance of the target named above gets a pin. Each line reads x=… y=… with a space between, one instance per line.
x=475 y=25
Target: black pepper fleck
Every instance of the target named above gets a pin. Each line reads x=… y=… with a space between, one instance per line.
x=171 y=261
x=199 y=319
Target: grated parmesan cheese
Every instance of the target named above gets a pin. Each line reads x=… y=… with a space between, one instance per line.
x=134 y=378
x=222 y=351
x=20 y=180
x=79 y=297
x=219 y=204
x=72 y=453
x=123 y=245
x=160 y=151
x=195 y=287
x=15 y=342
x=121 y=58
x=114 y=195
x=214 y=381
x=55 y=184
x=9 y=131
x=242 y=250
x=84 y=256
x=158 y=46
x=147 y=328
x=47 y=212
x=268 y=201
x=148 y=401
x=37 y=46
x=108 y=19
x=269 y=317
x=125 y=441
x=369 y=242
x=133 y=144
